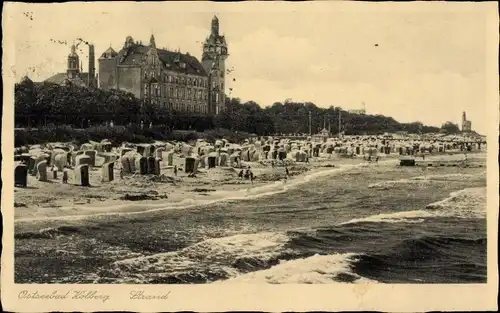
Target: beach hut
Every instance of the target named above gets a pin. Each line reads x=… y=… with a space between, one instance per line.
x=25 y=158
x=108 y=157
x=223 y=158
x=86 y=146
x=169 y=156
x=151 y=165
x=141 y=164
x=92 y=155
x=407 y=161
x=235 y=159
x=56 y=152
x=281 y=154
x=149 y=151
x=140 y=149
x=191 y=164
x=83 y=159
x=157 y=170
x=107 y=172
x=186 y=150
x=125 y=163
x=41 y=169
x=219 y=144
x=202 y=162
x=159 y=152
x=106 y=145
x=60 y=161
x=32 y=165
x=124 y=150
x=211 y=160
x=81 y=174
x=245 y=155
x=21 y=175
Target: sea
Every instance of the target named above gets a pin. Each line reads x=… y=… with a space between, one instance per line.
x=358 y=223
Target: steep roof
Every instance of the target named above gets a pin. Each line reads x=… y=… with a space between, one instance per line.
x=109 y=53
x=60 y=78
x=135 y=54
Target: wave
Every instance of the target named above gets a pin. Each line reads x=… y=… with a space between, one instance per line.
x=428 y=258
x=465 y=203
x=51 y=232
x=316 y=269
x=208 y=260
x=428 y=179
x=245 y=194
x=416 y=216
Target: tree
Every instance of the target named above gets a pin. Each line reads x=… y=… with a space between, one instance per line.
x=450 y=128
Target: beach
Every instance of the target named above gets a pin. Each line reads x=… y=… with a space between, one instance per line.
x=333 y=220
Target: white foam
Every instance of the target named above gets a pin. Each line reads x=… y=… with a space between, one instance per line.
x=397 y=217
x=466 y=203
x=427 y=179
x=317 y=269
x=215 y=254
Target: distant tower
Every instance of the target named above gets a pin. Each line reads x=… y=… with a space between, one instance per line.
x=92 y=77
x=73 y=63
x=213 y=61
x=466 y=124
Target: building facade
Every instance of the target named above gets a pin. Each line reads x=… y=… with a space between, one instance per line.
x=466 y=124
x=170 y=79
x=74 y=73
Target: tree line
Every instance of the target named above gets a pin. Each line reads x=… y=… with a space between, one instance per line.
x=41 y=104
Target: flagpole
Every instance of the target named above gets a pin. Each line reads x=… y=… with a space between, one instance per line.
x=339 y=121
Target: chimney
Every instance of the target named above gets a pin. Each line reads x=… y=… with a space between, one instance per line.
x=91 y=66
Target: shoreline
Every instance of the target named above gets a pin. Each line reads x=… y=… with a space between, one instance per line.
x=73 y=202
x=189 y=194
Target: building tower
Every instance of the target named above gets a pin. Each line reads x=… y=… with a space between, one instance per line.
x=92 y=77
x=213 y=61
x=73 y=63
x=466 y=124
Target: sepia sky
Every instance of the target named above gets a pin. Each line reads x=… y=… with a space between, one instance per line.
x=427 y=65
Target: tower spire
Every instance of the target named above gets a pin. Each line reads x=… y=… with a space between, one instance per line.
x=152 y=41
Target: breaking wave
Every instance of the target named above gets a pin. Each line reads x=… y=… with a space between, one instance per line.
x=316 y=269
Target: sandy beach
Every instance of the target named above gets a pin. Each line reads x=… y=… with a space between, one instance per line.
x=137 y=193
x=134 y=193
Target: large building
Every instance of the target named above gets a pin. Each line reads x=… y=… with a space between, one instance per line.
x=74 y=73
x=173 y=80
x=466 y=124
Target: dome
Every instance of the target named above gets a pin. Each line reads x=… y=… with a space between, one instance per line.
x=73 y=52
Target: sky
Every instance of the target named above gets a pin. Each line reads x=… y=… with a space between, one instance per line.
x=414 y=63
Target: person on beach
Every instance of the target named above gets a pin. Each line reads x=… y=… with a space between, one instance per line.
x=65 y=175
x=251 y=177
x=175 y=170
x=240 y=174
x=287 y=173
x=121 y=173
